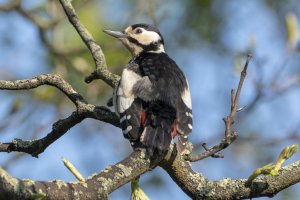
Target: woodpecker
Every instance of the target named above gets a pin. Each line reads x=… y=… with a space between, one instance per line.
x=152 y=98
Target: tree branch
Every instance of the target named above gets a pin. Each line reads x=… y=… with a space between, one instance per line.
x=97 y=186
x=10 y=6
x=35 y=147
x=101 y=71
x=38 y=21
x=230 y=136
x=59 y=128
x=84 y=110
x=194 y=184
x=44 y=79
x=198 y=187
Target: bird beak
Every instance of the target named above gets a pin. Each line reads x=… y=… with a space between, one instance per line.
x=116 y=34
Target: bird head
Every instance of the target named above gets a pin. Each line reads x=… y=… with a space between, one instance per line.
x=140 y=38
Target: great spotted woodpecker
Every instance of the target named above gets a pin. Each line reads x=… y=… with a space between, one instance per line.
x=152 y=98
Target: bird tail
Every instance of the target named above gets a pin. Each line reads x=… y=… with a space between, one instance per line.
x=156 y=140
x=157 y=133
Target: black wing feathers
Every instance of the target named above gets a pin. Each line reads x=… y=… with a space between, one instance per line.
x=131 y=121
x=184 y=123
x=168 y=81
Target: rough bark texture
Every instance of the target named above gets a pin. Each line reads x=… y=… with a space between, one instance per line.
x=97 y=186
x=194 y=184
x=197 y=186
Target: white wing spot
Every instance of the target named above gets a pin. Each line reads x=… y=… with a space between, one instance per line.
x=179 y=130
x=128 y=117
x=189 y=114
x=129 y=128
x=185 y=136
x=184 y=144
x=190 y=126
x=123 y=118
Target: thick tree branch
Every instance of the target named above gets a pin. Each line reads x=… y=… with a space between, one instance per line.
x=198 y=187
x=97 y=186
x=230 y=136
x=101 y=71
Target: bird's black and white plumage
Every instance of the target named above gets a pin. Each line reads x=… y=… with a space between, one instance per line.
x=152 y=98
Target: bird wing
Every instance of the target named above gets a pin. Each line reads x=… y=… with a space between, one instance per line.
x=184 y=119
x=127 y=105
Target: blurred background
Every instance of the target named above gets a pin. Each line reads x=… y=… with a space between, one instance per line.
x=209 y=40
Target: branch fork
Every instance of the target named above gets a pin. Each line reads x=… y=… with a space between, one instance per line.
x=230 y=135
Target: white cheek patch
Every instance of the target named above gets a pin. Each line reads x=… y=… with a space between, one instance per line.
x=146 y=37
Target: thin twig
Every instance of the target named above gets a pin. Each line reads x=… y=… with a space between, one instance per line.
x=230 y=136
x=101 y=71
x=218 y=155
x=10 y=6
x=38 y=21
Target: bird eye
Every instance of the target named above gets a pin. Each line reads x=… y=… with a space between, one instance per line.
x=138 y=31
